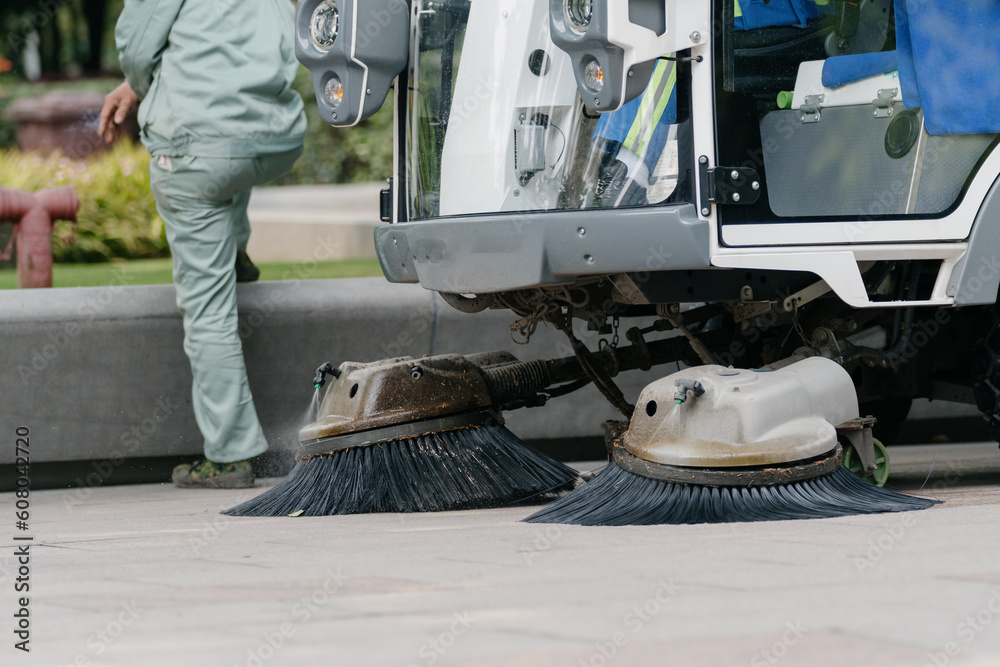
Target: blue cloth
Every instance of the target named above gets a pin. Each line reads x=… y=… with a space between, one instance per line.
x=949 y=63
x=615 y=126
x=766 y=14
x=842 y=70
x=659 y=139
x=904 y=59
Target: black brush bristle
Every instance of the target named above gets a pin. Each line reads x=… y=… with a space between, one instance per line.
x=466 y=468
x=617 y=497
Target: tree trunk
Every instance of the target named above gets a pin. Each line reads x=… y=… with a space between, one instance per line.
x=96 y=12
x=49 y=46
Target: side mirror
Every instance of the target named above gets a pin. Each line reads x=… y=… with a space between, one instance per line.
x=354 y=50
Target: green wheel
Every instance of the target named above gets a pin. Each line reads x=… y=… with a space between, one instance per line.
x=881 y=473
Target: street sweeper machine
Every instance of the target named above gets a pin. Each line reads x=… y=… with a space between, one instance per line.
x=794 y=201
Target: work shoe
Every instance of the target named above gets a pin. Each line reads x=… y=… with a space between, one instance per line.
x=211 y=475
x=246 y=271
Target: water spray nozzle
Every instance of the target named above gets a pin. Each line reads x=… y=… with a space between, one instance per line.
x=322 y=372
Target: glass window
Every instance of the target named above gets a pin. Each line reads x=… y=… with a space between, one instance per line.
x=501 y=127
x=810 y=96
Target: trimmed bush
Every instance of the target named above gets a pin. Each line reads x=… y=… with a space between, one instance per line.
x=359 y=154
x=117 y=216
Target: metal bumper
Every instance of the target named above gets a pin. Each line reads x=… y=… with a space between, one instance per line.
x=508 y=251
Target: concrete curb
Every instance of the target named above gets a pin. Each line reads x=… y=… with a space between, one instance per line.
x=100 y=373
x=289 y=221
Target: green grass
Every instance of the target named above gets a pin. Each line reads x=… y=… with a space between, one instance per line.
x=157 y=272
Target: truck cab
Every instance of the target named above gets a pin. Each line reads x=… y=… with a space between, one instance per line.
x=793 y=177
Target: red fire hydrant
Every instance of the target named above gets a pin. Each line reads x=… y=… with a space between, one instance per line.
x=33 y=215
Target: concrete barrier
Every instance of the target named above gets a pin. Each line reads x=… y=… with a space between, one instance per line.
x=288 y=222
x=100 y=374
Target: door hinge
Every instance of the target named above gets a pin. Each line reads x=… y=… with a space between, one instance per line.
x=739 y=186
x=385 y=203
x=883 y=103
x=809 y=112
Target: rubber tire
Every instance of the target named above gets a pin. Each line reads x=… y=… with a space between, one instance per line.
x=852 y=461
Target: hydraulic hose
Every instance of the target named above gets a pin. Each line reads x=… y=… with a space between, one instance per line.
x=469 y=305
x=519 y=380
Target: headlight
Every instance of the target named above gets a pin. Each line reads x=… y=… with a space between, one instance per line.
x=324 y=25
x=593 y=76
x=578 y=14
x=614 y=44
x=354 y=50
x=334 y=90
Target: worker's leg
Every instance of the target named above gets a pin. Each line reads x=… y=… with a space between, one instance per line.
x=241 y=224
x=269 y=167
x=266 y=169
x=200 y=221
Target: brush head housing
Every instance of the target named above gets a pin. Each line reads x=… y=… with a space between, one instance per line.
x=742 y=417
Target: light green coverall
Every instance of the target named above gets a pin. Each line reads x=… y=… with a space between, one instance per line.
x=219 y=116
